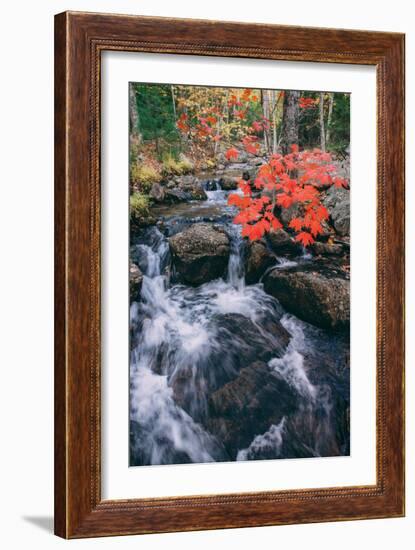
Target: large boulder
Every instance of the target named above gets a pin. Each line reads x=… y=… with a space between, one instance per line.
x=239 y=341
x=240 y=170
x=287 y=214
x=235 y=171
x=327 y=249
x=200 y=253
x=157 y=192
x=246 y=341
x=248 y=405
x=257 y=260
x=229 y=183
x=337 y=202
x=192 y=187
x=136 y=282
x=313 y=294
x=173 y=196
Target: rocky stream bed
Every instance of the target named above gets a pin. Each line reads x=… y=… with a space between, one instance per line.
x=239 y=351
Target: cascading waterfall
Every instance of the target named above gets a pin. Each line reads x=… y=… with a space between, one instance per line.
x=187 y=342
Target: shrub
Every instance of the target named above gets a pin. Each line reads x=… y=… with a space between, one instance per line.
x=144 y=175
x=186 y=164
x=210 y=163
x=139 y=205
x=172 y=166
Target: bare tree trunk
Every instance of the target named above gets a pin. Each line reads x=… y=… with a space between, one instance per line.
x=322 y=132
x=274 y=121
x=174 y=103
x=331 y=100
x=290 y=119
x=218 y=127
x=134 y=119
x=265 y=111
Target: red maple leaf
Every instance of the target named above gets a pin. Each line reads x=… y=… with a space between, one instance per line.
x=306 y=102
x=245 y=187
x=284 y=200
x=304 y=238
x=296 y=224
x=322 y=213
x=315 y=227
x=240 y=202
x=232 y=153
x=340 y=182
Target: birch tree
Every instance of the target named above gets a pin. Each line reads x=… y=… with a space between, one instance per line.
x=321 y=115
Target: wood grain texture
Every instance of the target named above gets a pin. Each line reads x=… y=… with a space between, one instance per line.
x=79 y=40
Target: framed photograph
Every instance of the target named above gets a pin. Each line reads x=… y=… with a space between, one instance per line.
x=229 y=276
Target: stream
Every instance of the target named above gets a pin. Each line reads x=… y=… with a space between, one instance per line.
x=221 y=372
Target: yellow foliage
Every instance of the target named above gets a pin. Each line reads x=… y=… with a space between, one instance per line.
x=139 y=204
x=144 y=175
x=171 y=166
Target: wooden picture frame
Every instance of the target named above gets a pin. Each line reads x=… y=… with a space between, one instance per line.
x=79 y=40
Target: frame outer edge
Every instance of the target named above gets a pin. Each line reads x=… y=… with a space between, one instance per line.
x=77 y=514
x=60 y=294
x=396 y=218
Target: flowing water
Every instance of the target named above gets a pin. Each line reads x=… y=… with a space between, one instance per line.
x=187 y=343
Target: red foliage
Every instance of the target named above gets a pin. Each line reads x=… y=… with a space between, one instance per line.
x=304 y=238
x=294 y=178
x=307 y=102
x=285 y=180
x=232 y=153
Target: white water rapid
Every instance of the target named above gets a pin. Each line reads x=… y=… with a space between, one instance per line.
x=188 y=342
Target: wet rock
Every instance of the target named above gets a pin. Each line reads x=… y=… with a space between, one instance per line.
x=211 y=185
x=337 y=202
x=200 y=253
x=136 y=282
x=240 y=170
x=312 y=294
x=235 y=171
x=197 y=192
x=155 y=444
x=192 y=187
x=242 y=157
x=139 y=222
x=186 y=181
x=176 y=195
x=327 y=249
x=256 y=161
x=282 y=243
x=229 y=183
x=238 y=343
x=247 y=342
x=157 y=192
x=287 y=214
x=257 y=260
x=248 y=405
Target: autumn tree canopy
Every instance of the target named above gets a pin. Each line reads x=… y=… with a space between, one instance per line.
x=297 y=136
